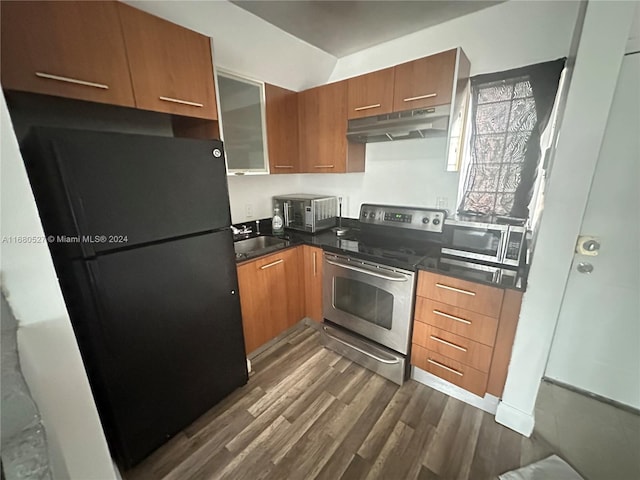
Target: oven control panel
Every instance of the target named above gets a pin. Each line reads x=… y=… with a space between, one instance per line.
x=415 y=218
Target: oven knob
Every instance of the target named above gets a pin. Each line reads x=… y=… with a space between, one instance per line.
x=436 y=221
x=425 y=220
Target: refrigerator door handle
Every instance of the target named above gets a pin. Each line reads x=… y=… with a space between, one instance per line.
x=73 y=200
x=94 y=280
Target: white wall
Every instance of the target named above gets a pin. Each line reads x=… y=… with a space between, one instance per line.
x=508 y=35
x=599 y=56
x=48 y=350
x=410 y=172
x=246 y=44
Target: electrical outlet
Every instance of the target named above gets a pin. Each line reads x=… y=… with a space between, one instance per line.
x=248 y=210
x=442 y=202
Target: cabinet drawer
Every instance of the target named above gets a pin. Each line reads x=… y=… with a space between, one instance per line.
x=453 y=346
x=457 y=321
x=450 y=370
x=460 y=293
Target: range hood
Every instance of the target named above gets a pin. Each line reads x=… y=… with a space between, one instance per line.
x=418 y=123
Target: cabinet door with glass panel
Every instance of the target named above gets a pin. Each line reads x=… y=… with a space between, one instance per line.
x=242 y=117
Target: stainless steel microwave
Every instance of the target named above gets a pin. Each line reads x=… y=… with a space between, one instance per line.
x=487 y=242
x=308 y=213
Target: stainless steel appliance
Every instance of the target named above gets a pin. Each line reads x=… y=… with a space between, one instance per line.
x=308 y=213
x=490 y=242
x=369 y=293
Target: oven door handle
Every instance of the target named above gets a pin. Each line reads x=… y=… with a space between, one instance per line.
x=364 y=352
x=388 y=276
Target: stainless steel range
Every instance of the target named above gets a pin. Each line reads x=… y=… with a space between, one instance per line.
x=369 y=292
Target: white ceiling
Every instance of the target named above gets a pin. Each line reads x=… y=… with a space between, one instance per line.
x=344 y=27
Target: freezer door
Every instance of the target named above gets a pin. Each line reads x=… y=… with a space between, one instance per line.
x=161 y=336
x=131 y=189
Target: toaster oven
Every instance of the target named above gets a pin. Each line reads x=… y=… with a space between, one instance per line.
x=307 y=213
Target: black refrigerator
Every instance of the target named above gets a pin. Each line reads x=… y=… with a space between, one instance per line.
x=139 y=230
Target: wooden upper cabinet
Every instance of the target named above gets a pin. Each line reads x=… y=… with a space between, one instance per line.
x=66 y=49
x=426 y=82
x=371 y=94
x=171 y=66
x=322 y=126
x=282 y=129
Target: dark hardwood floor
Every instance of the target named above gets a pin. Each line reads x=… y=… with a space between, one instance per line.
x=308 y=413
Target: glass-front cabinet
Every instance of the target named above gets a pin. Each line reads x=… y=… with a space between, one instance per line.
x=242 y=118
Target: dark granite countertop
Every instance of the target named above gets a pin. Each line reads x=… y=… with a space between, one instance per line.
x=434 y=261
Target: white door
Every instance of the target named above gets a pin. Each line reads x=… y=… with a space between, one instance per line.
x=596 y=346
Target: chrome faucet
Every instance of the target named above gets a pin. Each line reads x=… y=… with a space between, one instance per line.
x=245 y=230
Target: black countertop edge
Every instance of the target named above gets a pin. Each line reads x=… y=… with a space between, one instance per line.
x=329 y=241
x=519 y=283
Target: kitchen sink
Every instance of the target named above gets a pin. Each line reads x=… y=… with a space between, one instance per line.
x=255 y=246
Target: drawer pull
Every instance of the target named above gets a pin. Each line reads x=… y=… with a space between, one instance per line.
x=72 y=80
x=283 y=166
x=437 y=339
x=454 y=289
x=452 y=317
x=315 y=265
x=367 y=107
x=272 y=264
x=181 y=102
x=323 y=166
x=452 y=370
x=420 y=97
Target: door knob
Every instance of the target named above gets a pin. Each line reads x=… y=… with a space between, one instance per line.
x=587 y=245
x=585 y=267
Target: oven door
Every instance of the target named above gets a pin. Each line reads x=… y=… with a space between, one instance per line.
x=372 y=300
x=475 y=241
x=295 y=216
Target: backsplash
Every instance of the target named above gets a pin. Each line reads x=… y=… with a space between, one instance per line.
x=408 y=172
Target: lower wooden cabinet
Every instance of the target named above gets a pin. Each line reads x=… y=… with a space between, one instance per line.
x=448 y=369
x=271 y=296
x=463 y=332
x=313 y=282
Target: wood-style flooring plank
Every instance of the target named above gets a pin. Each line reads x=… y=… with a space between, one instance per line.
x=378 y=435
x=308 y=413
x=437 y=456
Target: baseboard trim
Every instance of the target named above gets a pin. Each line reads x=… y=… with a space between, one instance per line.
x=515 y=419
x=595 y=396
x=488 y=403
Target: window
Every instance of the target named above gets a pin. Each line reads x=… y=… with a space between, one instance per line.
x=509 y=112
x=243 y=118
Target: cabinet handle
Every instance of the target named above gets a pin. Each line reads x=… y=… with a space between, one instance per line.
x=454 y=289
x=272 y=264
x=315 y=267
x=438 y=364
x=72 y=80
x=420 y=97
x=323 y=166
x=367 y=107
x=181 y=102
x=457 y=319
x=283 y=166
x=437 y=339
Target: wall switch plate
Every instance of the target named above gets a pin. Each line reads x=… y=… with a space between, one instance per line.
x=248 y=210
